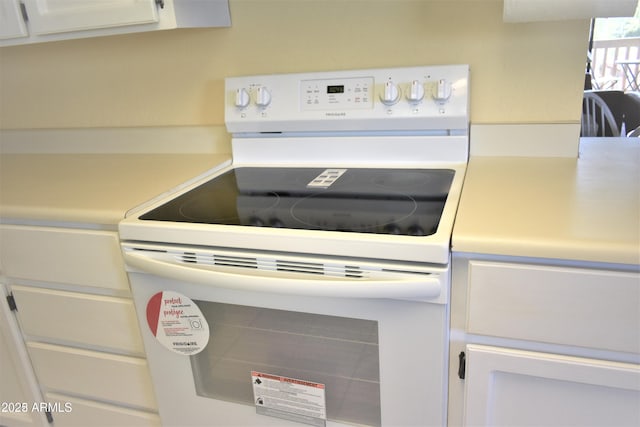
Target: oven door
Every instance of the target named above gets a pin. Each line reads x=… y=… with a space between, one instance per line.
x=379 y=361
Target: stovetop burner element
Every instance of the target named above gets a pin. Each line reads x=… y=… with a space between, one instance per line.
x=352 y=214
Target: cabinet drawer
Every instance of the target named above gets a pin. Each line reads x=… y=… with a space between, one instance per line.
x=77 y=318
x=89 y=413
x=77 y=257
x=96 y=375
x=572 y=306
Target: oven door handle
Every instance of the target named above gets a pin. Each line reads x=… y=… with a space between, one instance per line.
x=394 y=285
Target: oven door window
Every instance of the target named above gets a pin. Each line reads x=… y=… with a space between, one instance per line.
x=340 y=352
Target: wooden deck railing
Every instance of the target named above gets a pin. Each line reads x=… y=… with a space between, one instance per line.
x=607 y=74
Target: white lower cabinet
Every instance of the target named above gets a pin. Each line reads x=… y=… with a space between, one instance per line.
x=19 y=389
x=543 y=343
x=509 y=387
x=76 y=329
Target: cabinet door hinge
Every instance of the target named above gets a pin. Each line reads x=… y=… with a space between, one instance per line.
x=23 y=10
x=160 y=4
x=12 y=302
x=462 y=365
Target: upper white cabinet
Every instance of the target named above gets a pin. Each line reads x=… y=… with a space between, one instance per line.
x=61 y=16
x=33 y=21
x=12 y=25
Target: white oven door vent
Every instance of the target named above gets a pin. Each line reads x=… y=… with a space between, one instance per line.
x=263 y=263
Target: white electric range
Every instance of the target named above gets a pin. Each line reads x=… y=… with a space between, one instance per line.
x=317 y=260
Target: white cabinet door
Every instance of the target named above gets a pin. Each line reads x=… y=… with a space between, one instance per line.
x=11 y=23
x=510 y=387
x=51 y=20
x=60 y=16
x=18 y=387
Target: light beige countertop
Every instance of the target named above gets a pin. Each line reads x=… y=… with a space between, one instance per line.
x=585 y=209
x=91 y=188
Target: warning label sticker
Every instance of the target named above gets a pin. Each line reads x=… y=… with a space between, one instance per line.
x=289 y=398
x=177 y=323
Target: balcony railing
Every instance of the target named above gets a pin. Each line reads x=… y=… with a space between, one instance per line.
x=607 y=74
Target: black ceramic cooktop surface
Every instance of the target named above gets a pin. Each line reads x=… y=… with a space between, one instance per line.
x=382 y=201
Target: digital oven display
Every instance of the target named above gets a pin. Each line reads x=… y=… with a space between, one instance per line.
x=335 y=89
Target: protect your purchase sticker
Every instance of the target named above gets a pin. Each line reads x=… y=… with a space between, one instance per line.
x=177 y=323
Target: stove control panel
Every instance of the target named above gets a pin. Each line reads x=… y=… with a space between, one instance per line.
x=429 y=98
x=335 y=94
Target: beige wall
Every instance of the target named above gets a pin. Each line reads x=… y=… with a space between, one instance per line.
x=521 y=73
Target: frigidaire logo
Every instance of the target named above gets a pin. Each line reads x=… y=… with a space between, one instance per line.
x=334 y=114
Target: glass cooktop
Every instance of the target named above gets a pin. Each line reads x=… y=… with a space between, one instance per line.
x=381 y=201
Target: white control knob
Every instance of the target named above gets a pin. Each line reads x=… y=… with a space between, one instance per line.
x=263 y=96
x=442 y=90
x=242 y=98
x=416 y=92
x=391 y=93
